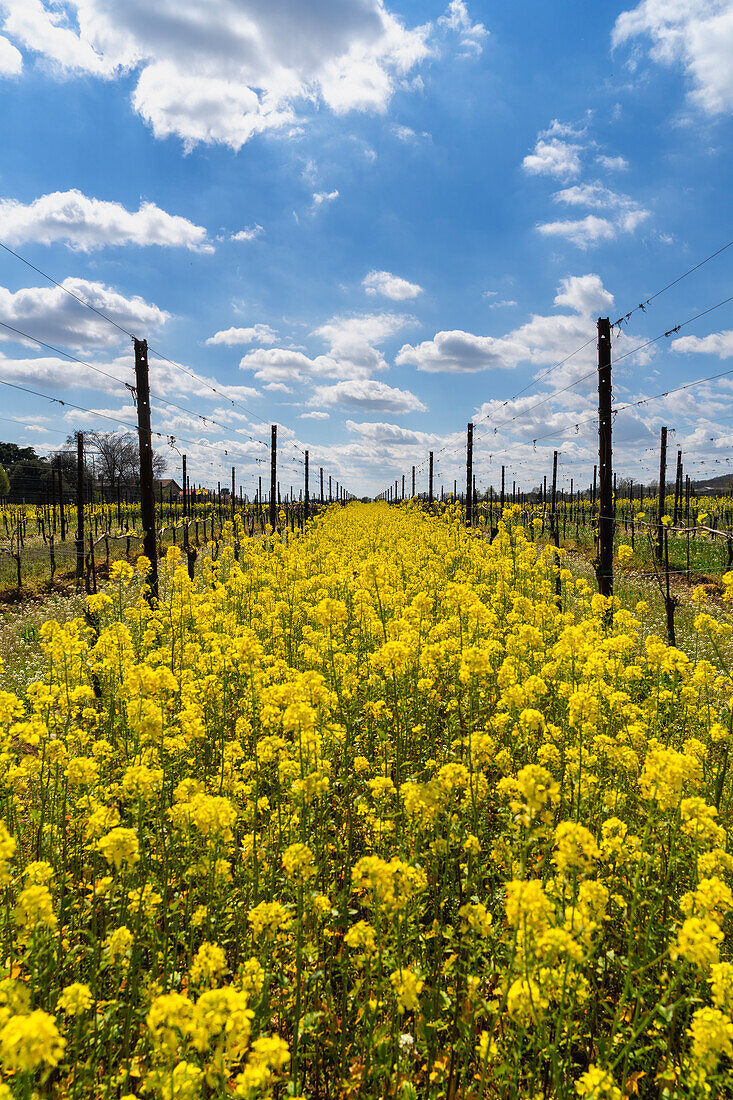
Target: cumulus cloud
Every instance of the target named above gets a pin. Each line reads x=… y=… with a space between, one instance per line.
x=320 y=198
x=315 y=415
x=113 y=375
x=390 y=286
x=717 y=343
x=502 y=304
x=85 y=224
x=224 y=72
x=471 y=35
x=553 y=157
x=540 y=340
x=379 y=432
x=52 y=316
x=368 y=395
x=249 y=233
x=254 y=334
x=11 y=60
x=696 y=35
x=352 y=351
x=583 y=232
x=612 y=164
x=353 y=341
x=620 y=214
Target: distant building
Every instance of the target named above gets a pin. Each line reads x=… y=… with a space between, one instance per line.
x=168 y=487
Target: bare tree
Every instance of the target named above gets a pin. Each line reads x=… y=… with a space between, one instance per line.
x=115 y=458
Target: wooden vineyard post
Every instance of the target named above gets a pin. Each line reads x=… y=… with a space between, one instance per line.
x=145 y=443
x=501 y=501
x=62 y=515
x=307 y=490
x=677 y=489
x=53 y=502
x=604 y=567
x=662 y=492
x=79 y=509
x=233 y=493
x=273 y=477
x=469 y=475
x=555 y=529
x=430 y=479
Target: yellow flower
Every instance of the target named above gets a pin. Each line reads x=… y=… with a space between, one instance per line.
x=75 y=999
x=698 y=940
x=407 y=987
x=597 y=1084
x=575 y=848
x=298 y=862
x=361 y=937
x=118 y=943
x=527 y=905
x=476 y=917
x=268 y=918
x=268 y=1057
x=712 y=1036
x=120 y=847
x=208 y=965
x=28 y=1042
x=34 y=909
x=525 y=1002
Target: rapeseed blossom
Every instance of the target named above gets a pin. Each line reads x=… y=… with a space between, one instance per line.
x=368 y=811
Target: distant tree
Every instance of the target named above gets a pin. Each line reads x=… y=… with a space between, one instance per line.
x=29 y=480
x=11 y=452
x=4 y=483
x=114 y=457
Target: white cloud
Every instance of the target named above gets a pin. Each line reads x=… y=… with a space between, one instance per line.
x=471 y=35
x=254 y=334
x=315 y=416
x=11 y=60
x=541 y=340
x=227 y=71
x=51 y=315
x=249 y=233
x=85 y=223
x=50 y=371
x=505 y=302
x=583 y=232
x=112 y=376
x=697 y=35
x=321 y=197
x=353 y=341
x=613 y=164
x=622 y=214
x=285 y=365
x=369 y=396
x=584 y=294
x=390 y=286
x=352 y=351
x=277 y=387
x=717 y=343
x=553 y=158
x=381 y=433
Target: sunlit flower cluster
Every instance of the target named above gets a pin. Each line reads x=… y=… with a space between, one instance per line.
x=383 y=809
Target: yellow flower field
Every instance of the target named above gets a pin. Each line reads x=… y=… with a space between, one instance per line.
x=367 y=813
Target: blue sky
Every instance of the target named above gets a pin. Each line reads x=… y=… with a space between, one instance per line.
x=369 y=223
